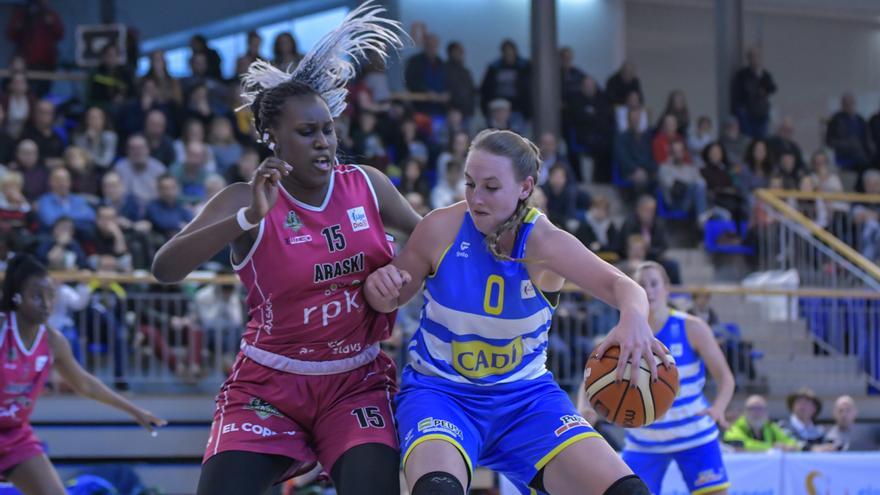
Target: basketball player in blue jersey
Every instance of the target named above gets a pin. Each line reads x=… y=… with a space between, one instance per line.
x=476 y=390
x=687 y=433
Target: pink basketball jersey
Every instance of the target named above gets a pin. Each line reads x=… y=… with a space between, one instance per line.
x=304 y=274
x=23 y=374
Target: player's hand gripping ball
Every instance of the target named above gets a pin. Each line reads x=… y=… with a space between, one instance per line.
x=618 y=402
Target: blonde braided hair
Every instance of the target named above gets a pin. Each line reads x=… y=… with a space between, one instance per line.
x=526 y=161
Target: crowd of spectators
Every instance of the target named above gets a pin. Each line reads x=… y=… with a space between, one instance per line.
x=99 y=181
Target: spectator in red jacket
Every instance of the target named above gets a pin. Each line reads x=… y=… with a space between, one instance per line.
x=35 y=30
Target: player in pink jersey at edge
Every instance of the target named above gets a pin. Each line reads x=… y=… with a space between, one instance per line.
x=29 y=349
x=309 y=383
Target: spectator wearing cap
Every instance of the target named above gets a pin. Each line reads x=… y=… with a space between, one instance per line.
x=805 y=407
x=754 y=432
x=501 y=117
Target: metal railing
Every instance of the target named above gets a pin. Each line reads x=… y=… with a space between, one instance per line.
x=789 y=239
x=155 y=338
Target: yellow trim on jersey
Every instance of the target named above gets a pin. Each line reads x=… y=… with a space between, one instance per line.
x=532 y=215
x=710 y=489
x=442 y=257
x=543 y=296
x=562 y=446
x=438 y=436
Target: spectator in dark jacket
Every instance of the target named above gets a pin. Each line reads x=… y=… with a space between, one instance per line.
x=622 y=83
x=750 y=99
x=632 y=152
x=847 y=134
x=646 y=223
x=510 y=78
x=425 y=74
x=459 y=82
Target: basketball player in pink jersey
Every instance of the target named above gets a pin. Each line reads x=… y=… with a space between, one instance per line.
x=310 y=383
x=29 y=349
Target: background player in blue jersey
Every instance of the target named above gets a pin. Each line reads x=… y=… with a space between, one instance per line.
x=476 y=390
x=687 y=433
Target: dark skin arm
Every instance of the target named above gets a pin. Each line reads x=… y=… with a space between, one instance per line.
x=397 y=214
x=216 y=225
x=87 y=385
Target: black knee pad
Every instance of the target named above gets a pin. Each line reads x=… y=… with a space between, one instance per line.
x=438 y=483
x=628 y=485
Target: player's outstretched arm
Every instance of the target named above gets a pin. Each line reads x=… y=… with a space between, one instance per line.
x=218 y=224
x=87 y=385
x=701 y=339
x=397 y=283
x=562 y=253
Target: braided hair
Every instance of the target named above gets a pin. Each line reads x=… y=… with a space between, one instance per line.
x=21 y=268
x=269 y=102
x=526 y=161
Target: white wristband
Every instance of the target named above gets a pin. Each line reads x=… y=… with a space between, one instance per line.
x=243 y=221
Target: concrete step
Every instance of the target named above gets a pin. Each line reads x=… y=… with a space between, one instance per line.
x=798 y=365
x=833 y=390
x=67 y=408
x=80 y=441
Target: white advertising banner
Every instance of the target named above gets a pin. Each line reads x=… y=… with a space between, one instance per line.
x=833 y=473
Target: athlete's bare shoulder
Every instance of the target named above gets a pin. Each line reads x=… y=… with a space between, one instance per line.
x=438 y=229
x=445 y=219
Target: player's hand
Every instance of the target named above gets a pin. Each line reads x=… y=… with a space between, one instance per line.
x=716 y=415
x=264 y=187
x=148 y=420
x=636 y=341
x=387 y=281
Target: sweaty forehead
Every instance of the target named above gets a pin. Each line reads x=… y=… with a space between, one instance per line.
x=481 y=165
x=303 y=109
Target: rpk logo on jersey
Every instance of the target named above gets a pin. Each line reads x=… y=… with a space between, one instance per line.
x=358 y=218
x=476 y=359
x=570 y=421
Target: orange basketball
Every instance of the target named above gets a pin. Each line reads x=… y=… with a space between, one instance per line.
x=617 y=402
